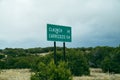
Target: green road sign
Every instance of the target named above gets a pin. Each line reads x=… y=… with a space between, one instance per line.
x=58 y=33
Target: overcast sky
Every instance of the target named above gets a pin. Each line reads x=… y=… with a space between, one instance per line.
x=94 y=22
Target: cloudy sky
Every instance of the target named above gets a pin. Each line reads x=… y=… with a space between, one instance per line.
x=94 y=22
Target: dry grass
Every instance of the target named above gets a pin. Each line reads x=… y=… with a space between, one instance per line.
x=97 y=74
x=15 y=74
x=24 y=74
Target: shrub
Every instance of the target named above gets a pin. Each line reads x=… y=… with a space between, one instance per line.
x=52 y=72
x=78 y=64
x=2 y=64
x=2 y=56
x=97 y=55
x=112 y=62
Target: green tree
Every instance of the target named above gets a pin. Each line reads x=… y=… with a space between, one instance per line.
x=98 y=54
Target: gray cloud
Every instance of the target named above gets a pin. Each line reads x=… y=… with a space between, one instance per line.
x=93 y=22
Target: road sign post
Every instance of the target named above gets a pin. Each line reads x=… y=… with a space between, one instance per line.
x=59 y=33
x=64 y=54
x=55 y=58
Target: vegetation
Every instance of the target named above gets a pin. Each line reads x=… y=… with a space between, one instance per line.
x=78 y=63
x=79 y=60
x=111 y=62
x=52 y=72
x=25 y=74
x=2 y=56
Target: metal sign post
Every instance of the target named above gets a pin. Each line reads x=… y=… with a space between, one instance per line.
x=64 y=54
x=55 y=58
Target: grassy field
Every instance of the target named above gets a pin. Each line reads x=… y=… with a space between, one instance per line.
x=24 y=74
x=15 y=74
x=97 y=74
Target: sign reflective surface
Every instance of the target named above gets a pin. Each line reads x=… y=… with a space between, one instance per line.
x=58 y=33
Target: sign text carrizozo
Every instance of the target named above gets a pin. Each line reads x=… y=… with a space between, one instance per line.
x=58 y=33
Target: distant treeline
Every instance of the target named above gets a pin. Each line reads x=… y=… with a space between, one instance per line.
x=30 y=50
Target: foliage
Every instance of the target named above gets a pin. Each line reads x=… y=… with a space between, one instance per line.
x=112 y=62
x=97 y=55
x=14 y=52
x=79 y=59
x=19 y=62
x=77 y=63
x=52 y=72
x=22 y=63
x=2 y=56
x=2 y=64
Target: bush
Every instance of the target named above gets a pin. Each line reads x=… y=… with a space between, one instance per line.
x=2 y=56
x=2 y=64
x=112 y=62
x=22 y=63
x=52 y=72
x=78 y=63
x=97 y=55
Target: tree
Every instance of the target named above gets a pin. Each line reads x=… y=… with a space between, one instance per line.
x=98 y=54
